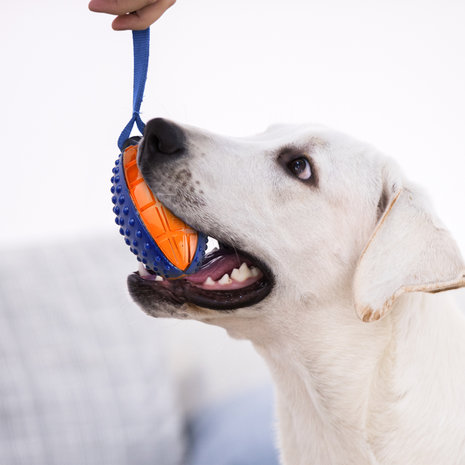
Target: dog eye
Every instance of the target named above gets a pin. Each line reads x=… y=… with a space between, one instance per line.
x=300 y=167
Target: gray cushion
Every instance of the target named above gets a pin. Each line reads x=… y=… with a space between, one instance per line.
x=82 y=379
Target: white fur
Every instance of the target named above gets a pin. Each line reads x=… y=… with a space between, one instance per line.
x=349 y=392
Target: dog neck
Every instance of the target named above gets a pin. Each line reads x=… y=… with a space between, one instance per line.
x=355 y=393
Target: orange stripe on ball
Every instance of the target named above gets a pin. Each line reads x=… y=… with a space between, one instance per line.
x=176 y=239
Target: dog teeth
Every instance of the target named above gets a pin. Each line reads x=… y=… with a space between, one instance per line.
x=143 y=271
x=255 y=271
x=242 y=273
x=225 y=280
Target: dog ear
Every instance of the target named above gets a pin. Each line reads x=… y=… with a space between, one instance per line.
x=409 y=251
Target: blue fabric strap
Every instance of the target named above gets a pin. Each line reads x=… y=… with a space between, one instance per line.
x=141 y=42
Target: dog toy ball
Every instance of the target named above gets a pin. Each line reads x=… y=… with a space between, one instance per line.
x=159 y=239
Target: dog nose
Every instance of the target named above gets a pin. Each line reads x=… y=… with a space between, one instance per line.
x=162 y=137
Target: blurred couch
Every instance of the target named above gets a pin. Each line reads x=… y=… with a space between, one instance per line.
x=87 y=378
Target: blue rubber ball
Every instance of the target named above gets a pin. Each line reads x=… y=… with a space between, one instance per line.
x=136 y=232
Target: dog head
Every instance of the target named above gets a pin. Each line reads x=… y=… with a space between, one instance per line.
x=303 y=216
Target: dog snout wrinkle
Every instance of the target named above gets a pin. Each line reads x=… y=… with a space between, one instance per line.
x=162 y=139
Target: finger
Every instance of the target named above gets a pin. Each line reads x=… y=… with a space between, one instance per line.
x=142 y=19
x=118 y=7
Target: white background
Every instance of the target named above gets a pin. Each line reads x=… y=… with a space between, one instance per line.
x=391 y=73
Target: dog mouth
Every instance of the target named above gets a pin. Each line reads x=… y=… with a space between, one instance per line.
x=227 y=279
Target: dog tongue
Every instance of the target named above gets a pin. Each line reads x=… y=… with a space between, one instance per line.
x=216 y=266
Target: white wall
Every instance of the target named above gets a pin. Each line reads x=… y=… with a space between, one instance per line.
x=392 y=73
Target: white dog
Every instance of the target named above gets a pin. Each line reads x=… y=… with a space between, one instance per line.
x=329 y=262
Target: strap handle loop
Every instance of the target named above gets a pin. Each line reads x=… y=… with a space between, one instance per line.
x=141 y=45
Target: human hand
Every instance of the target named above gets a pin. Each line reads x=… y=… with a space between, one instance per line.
x=131 y=14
